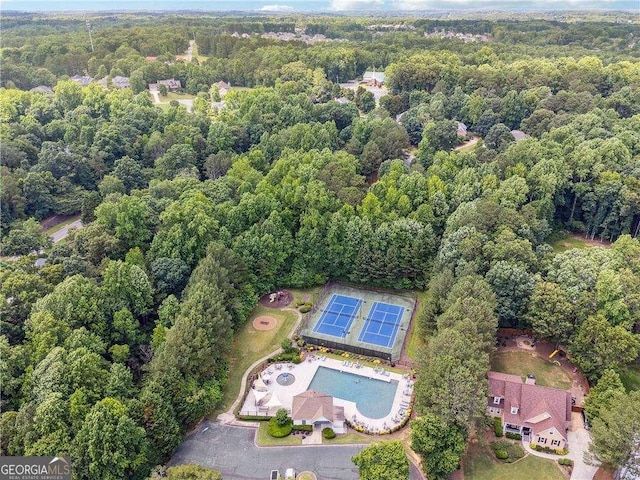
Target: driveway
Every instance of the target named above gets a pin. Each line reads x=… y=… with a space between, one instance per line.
x=64 y=231
x=579 y=440
x=232 y=451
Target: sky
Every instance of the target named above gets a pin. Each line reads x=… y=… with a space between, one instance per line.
x=317 y=5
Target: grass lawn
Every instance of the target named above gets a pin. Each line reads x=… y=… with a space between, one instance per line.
x=523 y=363
x=479 y=464
x=349 y=438
x=416 y=337
x=630 y=377
x=307 y=476
x=567 y=243
x=305 y=295
x=176 y=96
x=263 y=438
x=416 y=342
x=249 y=345
x=53 y=230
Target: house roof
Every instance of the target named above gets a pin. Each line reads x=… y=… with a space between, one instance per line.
x=378 y=76
x=537 y=407
x=518 y=135
x=83 y=80
x=120 y=82
x=222 y=85
x=171 y=84
x=42 y=89
x=313 y=406
x=462 y=128
x=40 y=262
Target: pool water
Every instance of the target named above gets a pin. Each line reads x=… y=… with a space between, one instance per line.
x=373 y=398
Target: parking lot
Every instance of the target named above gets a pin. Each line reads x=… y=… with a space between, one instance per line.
x=231 y=450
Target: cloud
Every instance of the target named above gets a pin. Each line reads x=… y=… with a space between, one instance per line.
x=356 y=4
x=276 y=8
x=503 y=4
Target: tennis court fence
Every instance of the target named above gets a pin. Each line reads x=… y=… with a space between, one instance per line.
x=350 y=339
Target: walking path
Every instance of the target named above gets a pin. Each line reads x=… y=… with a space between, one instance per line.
x=228 y=417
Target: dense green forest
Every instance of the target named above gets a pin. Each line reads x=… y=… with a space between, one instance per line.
x=118 y=345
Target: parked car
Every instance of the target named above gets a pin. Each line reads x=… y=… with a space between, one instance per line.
x=275 y=475
x=290 y=474
x=587 y=424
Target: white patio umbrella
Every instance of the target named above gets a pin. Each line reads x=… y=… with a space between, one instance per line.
x=259 y=385
x=260 y=396
x=273 y=402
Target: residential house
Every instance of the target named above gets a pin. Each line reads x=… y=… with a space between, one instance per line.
x=542 y=415
x=117 y=82
x=461 y=129
x=223 y=87
x=83 y=80
x=171 y=84
x=42 y=89
x=374 y=79
x=120 y=82
x=518 y=135
x=317 y=409
x=342 y=100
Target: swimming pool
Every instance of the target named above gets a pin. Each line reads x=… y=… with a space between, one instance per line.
x=373 y=398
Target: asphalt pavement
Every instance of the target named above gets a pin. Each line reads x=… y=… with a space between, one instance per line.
x=232 y=451
x=64 y=231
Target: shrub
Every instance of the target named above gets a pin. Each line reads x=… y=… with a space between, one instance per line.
x=540 y=448
x=277 y=431
x=562 y=451
x=501 y=454
x=497 y=426
x=328 y=433
x=254 y=418
x=514 y=451
x=513 y=436
x=567 y=462
x=287 y=346
x=302 y=428
x=305 y=308
x=281 y=417
x=293 y=357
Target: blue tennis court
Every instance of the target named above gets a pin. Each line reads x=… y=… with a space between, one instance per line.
x=338 y=316
x=382 y=324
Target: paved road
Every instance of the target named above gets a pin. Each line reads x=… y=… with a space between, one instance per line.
x=232 y=451
x=64 y=231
